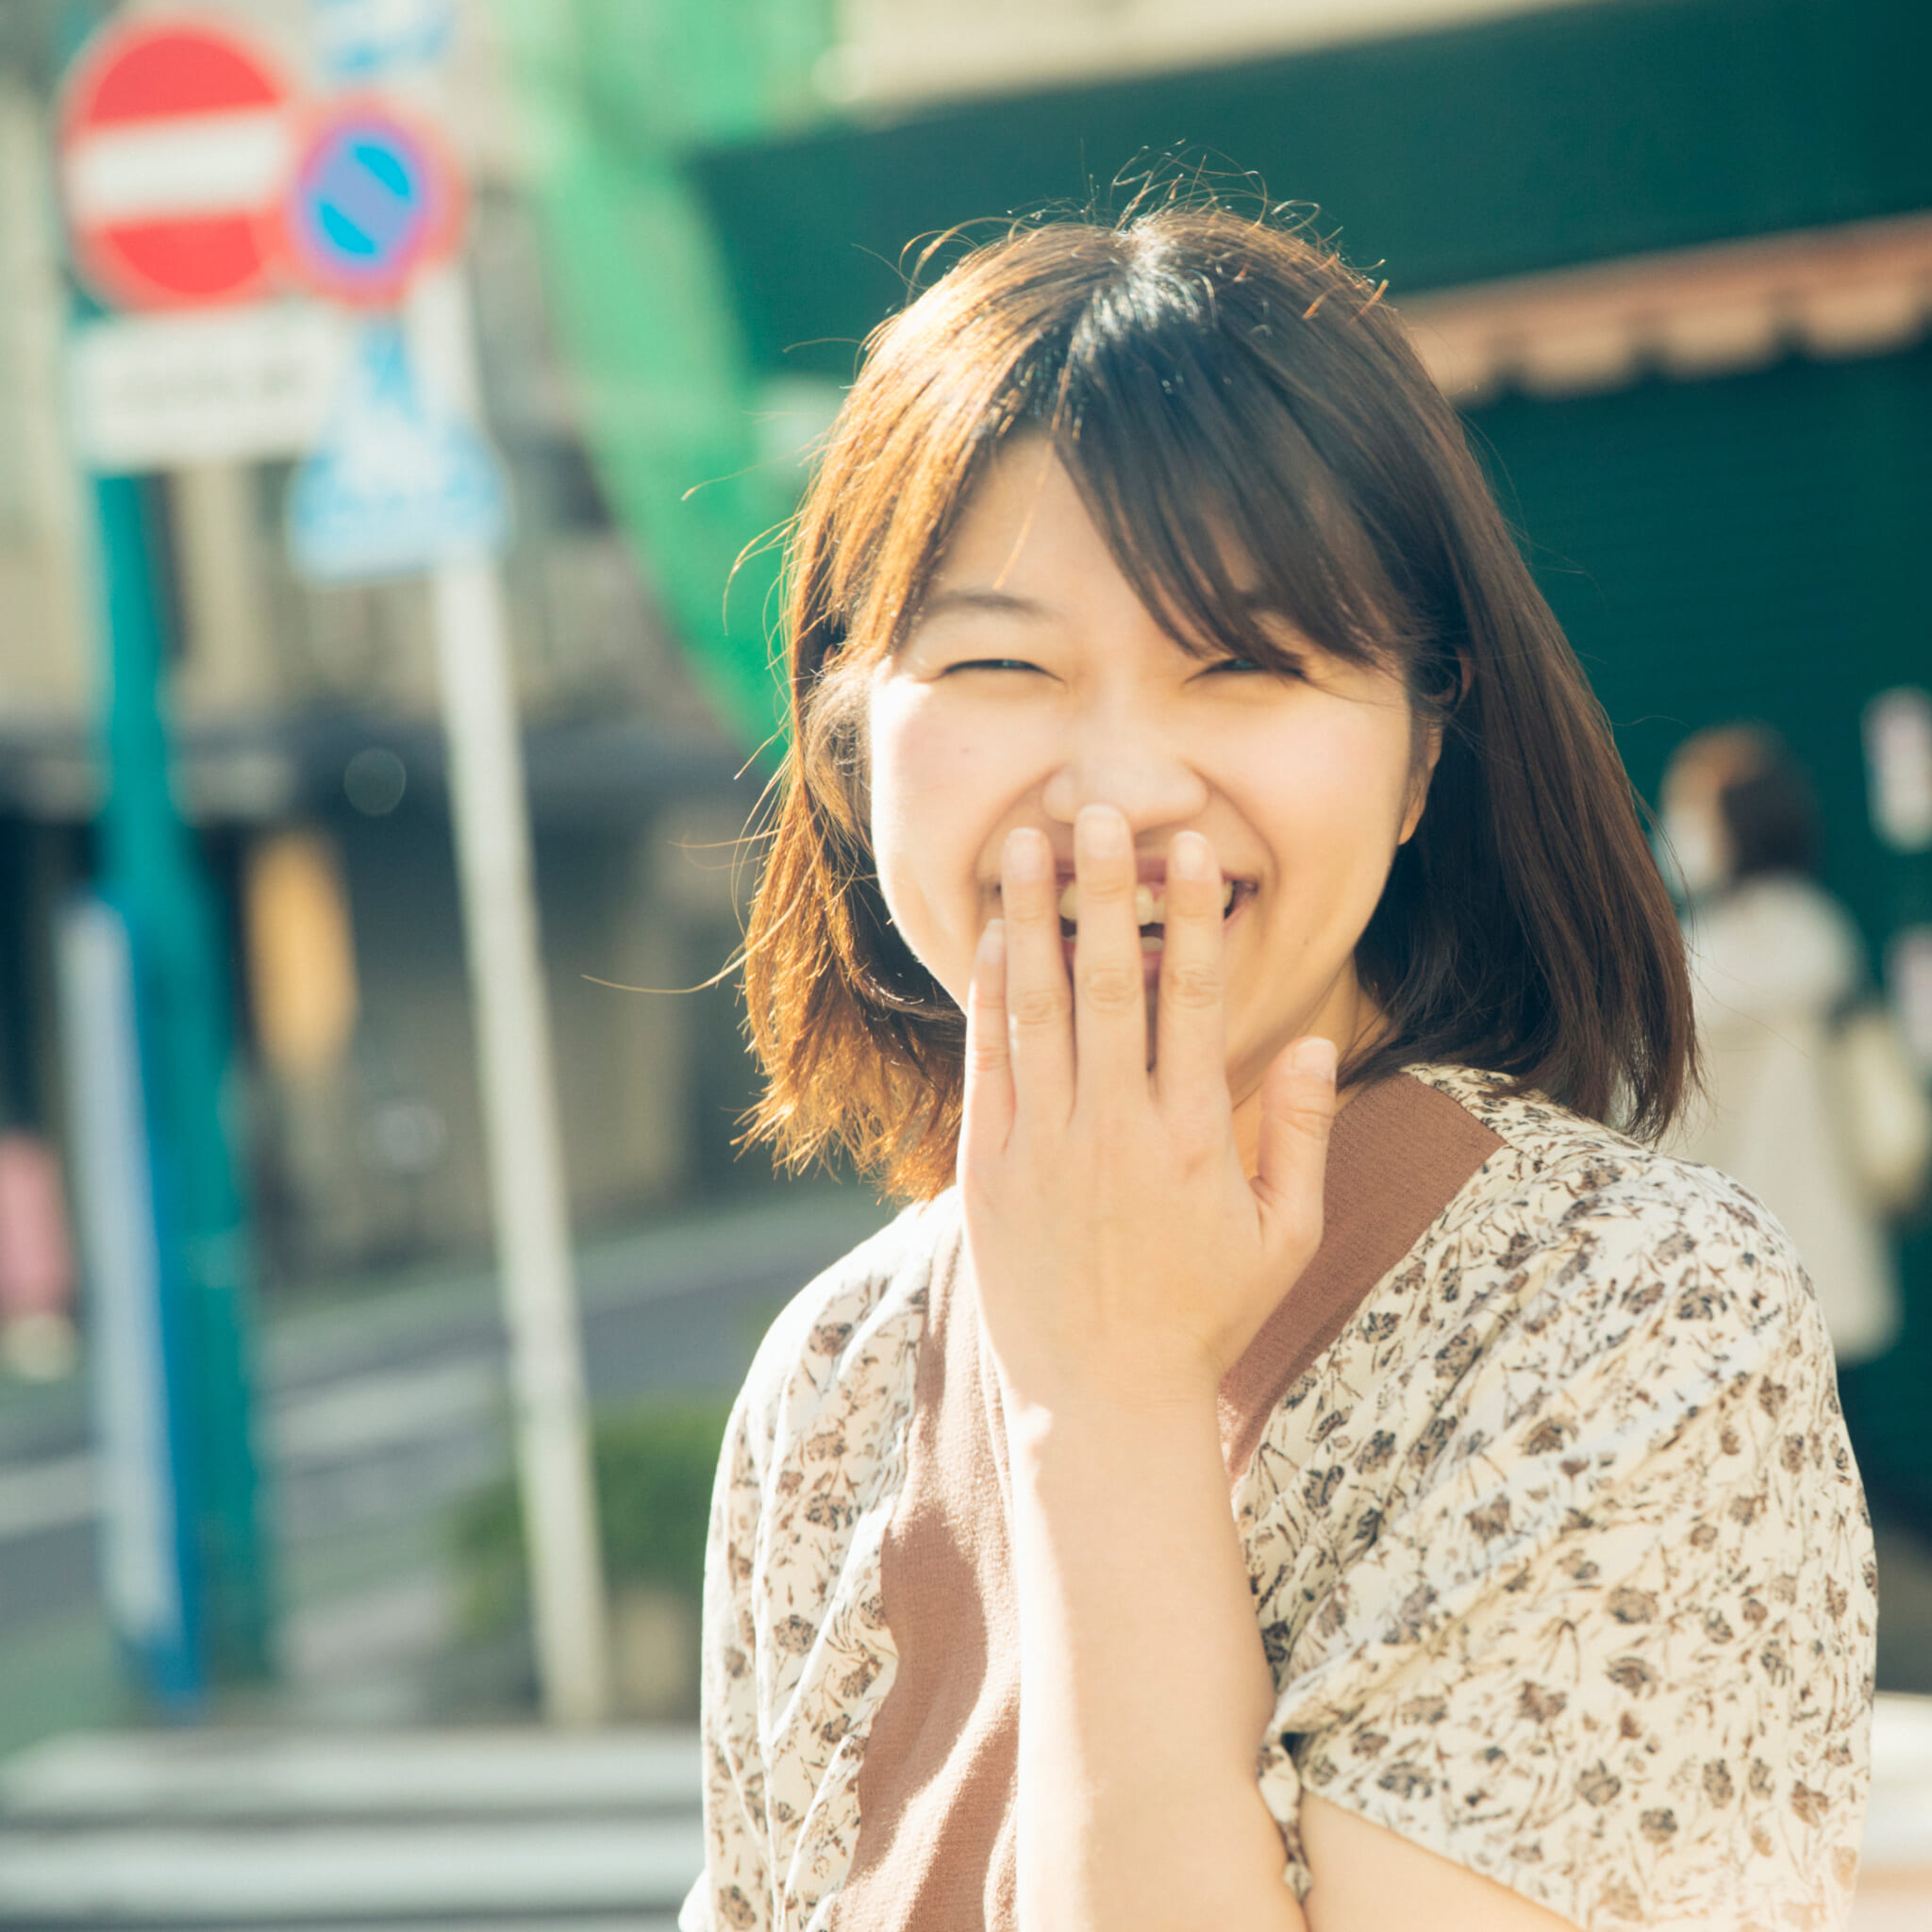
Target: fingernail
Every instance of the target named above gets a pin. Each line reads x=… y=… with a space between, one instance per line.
x=1190 y=856
x=1314 y=1056
x=1104 y=830
x=1027 y=857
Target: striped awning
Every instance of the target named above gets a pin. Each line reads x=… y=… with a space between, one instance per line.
x=1863 y=288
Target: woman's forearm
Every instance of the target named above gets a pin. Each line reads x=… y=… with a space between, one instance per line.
x=1144 y=1688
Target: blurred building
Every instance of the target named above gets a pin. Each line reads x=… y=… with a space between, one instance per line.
x=1674 y=258
x=311 y=761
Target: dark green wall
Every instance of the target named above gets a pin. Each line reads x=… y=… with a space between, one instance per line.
x=1749 y=547
x=1488 y=150
x=1756 y=548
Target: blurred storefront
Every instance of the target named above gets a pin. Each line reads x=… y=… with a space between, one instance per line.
x=1673 y=256
x=311 y=761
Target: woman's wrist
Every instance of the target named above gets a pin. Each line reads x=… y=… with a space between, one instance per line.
x=1044 y=1415
x=1146 y=1685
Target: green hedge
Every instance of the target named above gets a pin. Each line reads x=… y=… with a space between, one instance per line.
x=654 y=1466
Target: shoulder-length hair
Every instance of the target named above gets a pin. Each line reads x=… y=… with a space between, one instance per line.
x=1204 y=376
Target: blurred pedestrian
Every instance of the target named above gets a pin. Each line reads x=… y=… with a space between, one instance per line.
x=37 y=1336
x=1810 y=1098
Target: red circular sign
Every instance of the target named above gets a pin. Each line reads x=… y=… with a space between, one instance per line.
x=176 y=138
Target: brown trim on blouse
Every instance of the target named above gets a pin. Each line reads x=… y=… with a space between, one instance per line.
x=1400 y=1153
x=936 y=1781
x=936 y=1842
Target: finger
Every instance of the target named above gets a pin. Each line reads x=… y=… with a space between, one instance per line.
x=1190 y=1052
x=1109 y=985
x=1039 y=1001
x=1297 y=1113
x=986 y=1117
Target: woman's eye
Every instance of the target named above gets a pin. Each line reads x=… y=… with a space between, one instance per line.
x=1251 y=665
x=1248 y=665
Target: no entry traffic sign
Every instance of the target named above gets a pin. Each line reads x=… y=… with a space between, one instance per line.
x=374 y=198
x=176 y=143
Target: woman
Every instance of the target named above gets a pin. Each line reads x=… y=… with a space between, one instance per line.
x=1775 y=963
x=1231 y=1496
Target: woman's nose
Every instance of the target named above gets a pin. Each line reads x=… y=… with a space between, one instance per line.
x=1134 y=766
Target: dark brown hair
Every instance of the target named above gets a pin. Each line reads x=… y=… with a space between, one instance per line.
x=1769 y=816
x=1203 y=377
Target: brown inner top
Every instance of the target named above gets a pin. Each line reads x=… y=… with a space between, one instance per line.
x=936 y=1784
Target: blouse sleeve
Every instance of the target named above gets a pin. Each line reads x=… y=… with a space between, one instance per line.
x=734 y=1891
x=1611 y=1641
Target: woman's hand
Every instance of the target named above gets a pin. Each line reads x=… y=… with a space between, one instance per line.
x=1122 y=1255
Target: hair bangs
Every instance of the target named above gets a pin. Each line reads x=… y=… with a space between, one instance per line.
x=1212 y=497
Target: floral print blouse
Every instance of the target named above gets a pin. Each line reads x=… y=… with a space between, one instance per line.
x=1559 y=1553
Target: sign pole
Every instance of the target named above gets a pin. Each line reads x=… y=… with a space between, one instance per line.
x=173 y=139
x=191 y=180
x=149 y=870
x=402 y=480
x=519 y=1086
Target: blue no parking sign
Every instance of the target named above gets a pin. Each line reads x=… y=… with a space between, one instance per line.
x=373 y=200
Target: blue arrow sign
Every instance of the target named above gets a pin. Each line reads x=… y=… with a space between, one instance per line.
x=394 y=486
x=365 y=40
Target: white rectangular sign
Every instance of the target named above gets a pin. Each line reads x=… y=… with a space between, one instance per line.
x=221 y=384
x=909 y=49
x=1898 y=758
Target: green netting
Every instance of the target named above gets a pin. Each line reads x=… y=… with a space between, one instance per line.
x=614 y=94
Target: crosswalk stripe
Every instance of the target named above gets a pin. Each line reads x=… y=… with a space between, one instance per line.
x=105 y=1777
x=309 y=1870
x=488 y=1830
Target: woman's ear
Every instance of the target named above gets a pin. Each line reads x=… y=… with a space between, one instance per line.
x=1421 y=770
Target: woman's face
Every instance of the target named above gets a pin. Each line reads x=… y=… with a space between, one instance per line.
x=1697 y=842
x=1036 y=683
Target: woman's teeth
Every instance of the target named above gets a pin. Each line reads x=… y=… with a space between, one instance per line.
x=1150 y=903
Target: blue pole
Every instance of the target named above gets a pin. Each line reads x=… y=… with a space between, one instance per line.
x=150 y=871
x=151 y=874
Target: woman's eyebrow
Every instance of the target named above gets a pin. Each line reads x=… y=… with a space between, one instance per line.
x=967 y=598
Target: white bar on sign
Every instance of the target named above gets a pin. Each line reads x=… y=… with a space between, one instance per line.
x=197 y=164
x=227 y=384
